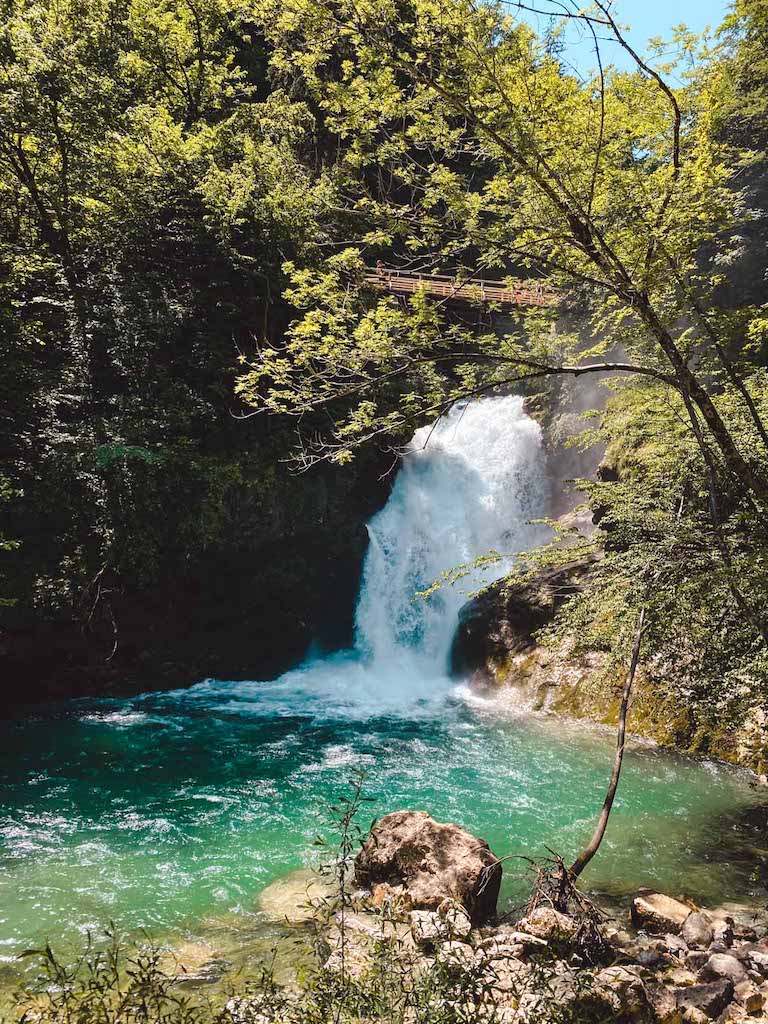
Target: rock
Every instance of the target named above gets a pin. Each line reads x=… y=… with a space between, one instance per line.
x=433 y=861
x=656 y=912
x=506 y=975
x=620 y=938
x=744 y=933
x=351 y=957
x=663 y=1002
x=695 y=1016
x=723 y=934
x=681 y=976
x=622 y=988
x=245 y=1011
x=759 y=961
x=723 y=965
x=675 y=945
x=560 y=991
x=501 y=623
x=209 y=973
x=449 y=922
x=455 y=918
x=696 y=959
x=521 y=940
x=456 y=954
x=749 y=996
x=294 y=897
x=710 y=999
x=427 y=927
x=366 y=925
x=735 y=1014
x=649 y=958
x=697 y=930
x=550 y=925
x=194 y=964
x=393 y=898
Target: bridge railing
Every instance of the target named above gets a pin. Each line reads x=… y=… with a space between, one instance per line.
x=515 y=293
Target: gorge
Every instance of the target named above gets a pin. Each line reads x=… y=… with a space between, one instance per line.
x=171 y=811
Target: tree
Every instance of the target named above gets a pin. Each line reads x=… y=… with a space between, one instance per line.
x=466 y=143
x=150 y=189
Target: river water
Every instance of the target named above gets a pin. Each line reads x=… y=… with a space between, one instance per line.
x=172 y=811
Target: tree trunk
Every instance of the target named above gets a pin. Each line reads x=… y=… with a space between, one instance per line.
x=735 y=462
x=593 y=845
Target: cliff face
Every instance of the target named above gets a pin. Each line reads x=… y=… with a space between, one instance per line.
x=279 y=573
x=498 y=644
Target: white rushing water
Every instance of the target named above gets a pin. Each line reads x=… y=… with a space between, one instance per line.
x=468 y=485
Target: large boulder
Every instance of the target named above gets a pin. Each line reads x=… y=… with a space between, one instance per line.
x=433 y=861
x=656 y=912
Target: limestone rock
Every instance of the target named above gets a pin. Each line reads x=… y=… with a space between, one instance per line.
x=294 y=897
x=693 y=1015
x=696 y=959
x=351 y=957
x=394 y=897
x=496 y=630
x=723 y=933
x=456 y=954
x=736 y=1014
x=681 y=976
x=663 y=1002
x=675 y=945
x=506 y=974
x=366 y=925
x=622 y=988
x=749 y=996
x=656 y=912
x=244 y=1011
x=433 y=861
x=427 y=927
x=697 y=930
x=650 y=958
x=619 y=937
x=723 y=965
x=759 y=961
x=550 y=925
x=455 y=918
x=710 y=999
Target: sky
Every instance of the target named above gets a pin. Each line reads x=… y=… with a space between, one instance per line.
x=646 y=18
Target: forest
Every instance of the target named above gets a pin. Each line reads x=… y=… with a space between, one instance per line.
x=221 y=428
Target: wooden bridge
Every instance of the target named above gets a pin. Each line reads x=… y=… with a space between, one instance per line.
x=505 y=293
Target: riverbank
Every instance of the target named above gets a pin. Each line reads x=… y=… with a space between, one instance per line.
x=422 y=949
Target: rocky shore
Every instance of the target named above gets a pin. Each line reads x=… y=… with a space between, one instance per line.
x=424 y=904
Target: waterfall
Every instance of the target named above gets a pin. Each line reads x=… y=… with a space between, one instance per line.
x=468 y=485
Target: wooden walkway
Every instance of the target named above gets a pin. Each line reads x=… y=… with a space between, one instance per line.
x=514 y=293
